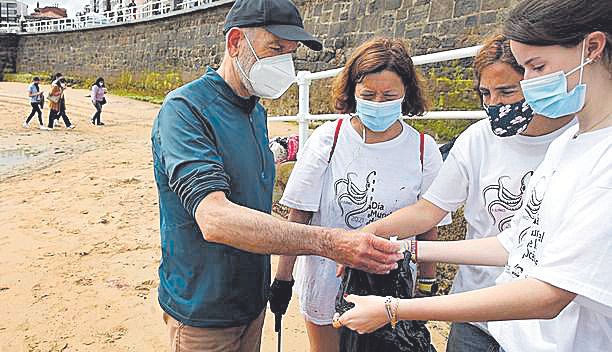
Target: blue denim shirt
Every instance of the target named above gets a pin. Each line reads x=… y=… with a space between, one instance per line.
x=206 y=139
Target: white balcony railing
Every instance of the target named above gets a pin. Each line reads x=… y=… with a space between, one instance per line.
x=118 y=15
x=9 y=27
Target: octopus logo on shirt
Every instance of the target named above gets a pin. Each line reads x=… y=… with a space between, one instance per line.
x=504 y=200
x=355 y=201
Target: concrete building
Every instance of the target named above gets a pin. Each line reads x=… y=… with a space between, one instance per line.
x=11 y=10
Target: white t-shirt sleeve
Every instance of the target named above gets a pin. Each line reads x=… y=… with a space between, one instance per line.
x=449 y=190
x=303 y=190
x=506 y=238
x=578 y=260
x=432 y=163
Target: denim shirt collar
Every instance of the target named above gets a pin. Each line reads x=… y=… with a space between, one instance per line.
x=220 y=85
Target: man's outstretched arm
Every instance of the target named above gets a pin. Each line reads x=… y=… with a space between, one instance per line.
x=222 y=221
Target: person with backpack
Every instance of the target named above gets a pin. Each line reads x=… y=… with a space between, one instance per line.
x=553 y=293
x=355 y=171
x=97 y=98
x=36 y=97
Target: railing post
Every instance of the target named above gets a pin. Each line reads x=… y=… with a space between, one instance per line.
x=303 y=115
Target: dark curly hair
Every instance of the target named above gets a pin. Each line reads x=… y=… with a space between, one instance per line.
x=374 y=56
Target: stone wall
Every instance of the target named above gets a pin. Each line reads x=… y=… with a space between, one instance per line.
x=182 y=43
x=8 y=52
x=428 y=25
x=186 y=43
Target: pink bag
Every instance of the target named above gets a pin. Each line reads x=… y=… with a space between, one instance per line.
x=293 y=144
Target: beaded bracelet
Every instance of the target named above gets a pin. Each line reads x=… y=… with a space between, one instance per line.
x=394 y=313
x=388 y=300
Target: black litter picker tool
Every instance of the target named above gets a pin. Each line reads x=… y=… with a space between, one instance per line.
x=280 y=295
x=278 y=322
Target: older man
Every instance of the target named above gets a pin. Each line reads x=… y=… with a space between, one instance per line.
x=215 y=174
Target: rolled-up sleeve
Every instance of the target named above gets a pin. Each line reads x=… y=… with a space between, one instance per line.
x=189 y=153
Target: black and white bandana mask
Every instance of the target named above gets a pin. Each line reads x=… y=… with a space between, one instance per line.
x=509 y=119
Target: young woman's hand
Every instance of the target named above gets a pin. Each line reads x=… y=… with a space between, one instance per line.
x=369 y=314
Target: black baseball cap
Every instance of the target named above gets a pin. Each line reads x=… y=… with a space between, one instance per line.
x=279 y=17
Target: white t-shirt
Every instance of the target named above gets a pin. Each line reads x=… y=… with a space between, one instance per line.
x=488 y=174
x=361 y=184
x=563 y=236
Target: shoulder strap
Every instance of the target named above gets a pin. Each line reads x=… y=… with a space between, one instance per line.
x=338 y=125
x=422 y=148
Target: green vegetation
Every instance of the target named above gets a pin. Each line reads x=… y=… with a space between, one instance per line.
x=45 y=77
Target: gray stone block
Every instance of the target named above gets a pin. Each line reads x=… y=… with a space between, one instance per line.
x=494 y=4
x=471 y=21
x=440 y=10
x=466 y=7
x=488 y=17
x=413 y=33
x=392 y=4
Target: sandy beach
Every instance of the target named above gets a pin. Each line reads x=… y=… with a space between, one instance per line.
x=80 y=233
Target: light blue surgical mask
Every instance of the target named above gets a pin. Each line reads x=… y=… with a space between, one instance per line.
x=548 y=96
x=378 y=117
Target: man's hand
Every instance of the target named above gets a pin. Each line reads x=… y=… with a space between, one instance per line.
x=365 y=251
x=280 y=295
x=340 y=270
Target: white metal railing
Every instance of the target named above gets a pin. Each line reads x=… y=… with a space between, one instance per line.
x=304 y=78
x=117 y=15
x=9 y=27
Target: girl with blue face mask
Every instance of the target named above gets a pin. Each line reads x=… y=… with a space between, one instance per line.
x=554 y=292
x=355 y=171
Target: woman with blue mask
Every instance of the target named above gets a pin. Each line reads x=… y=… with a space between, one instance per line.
x=357 y=170
x=554 y=292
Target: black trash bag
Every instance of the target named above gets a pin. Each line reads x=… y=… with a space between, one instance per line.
x=408 y=336
x=446 y=148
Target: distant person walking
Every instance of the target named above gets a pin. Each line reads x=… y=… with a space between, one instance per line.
x=36 y=98
x=57 y=103
x=97 y=98
x=62 y=102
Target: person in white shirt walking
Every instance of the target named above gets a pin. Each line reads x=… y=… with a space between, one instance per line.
x=97 y=98
x=357 y=170
x=554 y=292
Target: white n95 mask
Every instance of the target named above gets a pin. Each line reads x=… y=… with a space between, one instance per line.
x=270 y=77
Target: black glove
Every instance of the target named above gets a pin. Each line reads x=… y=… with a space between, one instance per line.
x=280 y=295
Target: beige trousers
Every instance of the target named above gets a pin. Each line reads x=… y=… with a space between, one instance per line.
x=184 y=338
